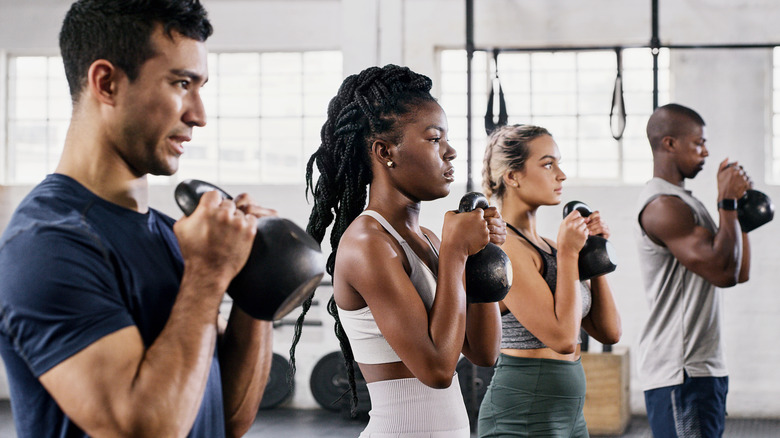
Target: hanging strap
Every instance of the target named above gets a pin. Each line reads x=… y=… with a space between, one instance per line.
x=617 y=114
x=503 y=116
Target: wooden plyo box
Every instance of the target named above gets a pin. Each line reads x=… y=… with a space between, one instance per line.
x=607 y=404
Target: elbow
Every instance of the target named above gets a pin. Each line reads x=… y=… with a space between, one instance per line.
x=153 y=425
x=485 y=360
x=438 y=377
x=612 y=338
x=238 y=427
x=726 y=281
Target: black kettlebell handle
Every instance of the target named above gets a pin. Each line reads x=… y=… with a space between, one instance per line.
x=583 y=208
x=597 y=256
x=471 y=201
x=488 y=272
x=284 y=267
x=189 y=192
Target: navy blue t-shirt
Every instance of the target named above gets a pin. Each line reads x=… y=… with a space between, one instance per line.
x=73 y=269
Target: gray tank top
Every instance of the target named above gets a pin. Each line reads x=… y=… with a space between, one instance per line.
x=683 y=330
x=513 y=334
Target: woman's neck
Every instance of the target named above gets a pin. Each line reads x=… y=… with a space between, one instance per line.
x=520 y=216
x=396 y=208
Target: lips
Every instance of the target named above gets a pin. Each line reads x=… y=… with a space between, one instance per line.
x=449 y=175
x=177 y=142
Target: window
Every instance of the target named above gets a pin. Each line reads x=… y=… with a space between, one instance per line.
x=264 y=113
x=569 y=93
x=39 y=109
x=774 y=171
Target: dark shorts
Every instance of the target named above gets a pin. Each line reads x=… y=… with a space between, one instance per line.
x=534 y=398
x=695 y=409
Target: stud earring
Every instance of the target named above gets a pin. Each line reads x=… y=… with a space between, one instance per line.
x=390 y=164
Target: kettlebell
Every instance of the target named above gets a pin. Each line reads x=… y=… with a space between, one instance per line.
x=754 y=209
x=597 y=257
x=488 y=272
x=285 y=264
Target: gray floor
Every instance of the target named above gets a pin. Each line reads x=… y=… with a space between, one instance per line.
x=294 y=423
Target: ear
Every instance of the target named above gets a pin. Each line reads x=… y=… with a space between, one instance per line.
x=383 y=152
x=668 y=143
x=512 y=178
x=102 y=81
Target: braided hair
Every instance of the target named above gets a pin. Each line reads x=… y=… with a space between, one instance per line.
x=507 y=149
x=369 y=105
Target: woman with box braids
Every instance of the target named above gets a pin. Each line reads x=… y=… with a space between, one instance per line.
x=398 y=292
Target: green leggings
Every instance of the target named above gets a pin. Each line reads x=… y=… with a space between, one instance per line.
x=534 y=398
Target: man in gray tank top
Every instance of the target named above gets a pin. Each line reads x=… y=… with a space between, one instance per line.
x=684 y=258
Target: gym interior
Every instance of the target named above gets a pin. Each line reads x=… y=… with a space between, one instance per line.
x=562 y=64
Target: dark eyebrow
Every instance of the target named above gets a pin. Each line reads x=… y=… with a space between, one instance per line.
x=436 y=127
x=190 y=74
x=544 y=157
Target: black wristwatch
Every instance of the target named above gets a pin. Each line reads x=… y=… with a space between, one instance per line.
x=728 y=204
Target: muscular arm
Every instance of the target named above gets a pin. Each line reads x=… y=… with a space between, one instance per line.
x=245 y=359
x=603 y=322
x=716 y=257
x=483 y=320
x=429 y=343
x=744 y=268
x=554 y=319
x=245 y=355
x=119 y=387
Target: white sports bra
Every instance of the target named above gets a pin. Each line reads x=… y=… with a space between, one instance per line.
x=369 y=346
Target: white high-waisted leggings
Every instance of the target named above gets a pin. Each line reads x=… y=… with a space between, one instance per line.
x=406 y=408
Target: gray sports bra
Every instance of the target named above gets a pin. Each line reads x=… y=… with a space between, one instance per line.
x=513 y=334
x=368 y=344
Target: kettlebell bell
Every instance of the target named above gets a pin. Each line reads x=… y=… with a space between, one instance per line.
x=754 y=209
x=488 y=272
x=597 y=257
x=285 y=264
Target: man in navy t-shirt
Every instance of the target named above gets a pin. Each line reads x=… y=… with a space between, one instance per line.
x=109 y=310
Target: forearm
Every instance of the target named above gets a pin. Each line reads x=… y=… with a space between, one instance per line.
x=483 y=333
x=567 y=301
x=744 y=269
x=447 y=317
x=727 y=248
x=245 y=359
x=604 y=319
x=168 y=385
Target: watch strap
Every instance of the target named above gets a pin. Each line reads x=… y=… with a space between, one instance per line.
x=727 y=204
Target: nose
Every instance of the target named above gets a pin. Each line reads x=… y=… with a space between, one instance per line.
x=195 y=115
x=561 y=174
x=704 y=151
x=449 y=151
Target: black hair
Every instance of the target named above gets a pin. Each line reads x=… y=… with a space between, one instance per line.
x=368 y=106
x=119 y=31
x=670 y=120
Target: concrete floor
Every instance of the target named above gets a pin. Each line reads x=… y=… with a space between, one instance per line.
x=296 y=423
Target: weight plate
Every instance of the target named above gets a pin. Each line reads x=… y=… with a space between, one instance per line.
x=277 y=390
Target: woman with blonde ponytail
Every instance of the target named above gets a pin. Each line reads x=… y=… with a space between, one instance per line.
x=538 y=389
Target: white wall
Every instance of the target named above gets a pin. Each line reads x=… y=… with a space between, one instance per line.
x=730 y=88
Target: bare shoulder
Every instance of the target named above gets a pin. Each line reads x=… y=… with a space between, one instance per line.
x=431 y=235
x=365 y=245
x=365 y=235
x=666 y=217
x=521 y=253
